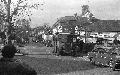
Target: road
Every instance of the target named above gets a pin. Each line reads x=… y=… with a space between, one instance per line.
x=67 y=65
x=45 y=52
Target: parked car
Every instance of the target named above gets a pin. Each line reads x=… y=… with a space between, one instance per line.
x=105 y=57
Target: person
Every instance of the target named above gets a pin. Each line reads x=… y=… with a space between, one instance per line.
x=56 y=42
x=115 y=41
x=81 y=44
x=11 y=66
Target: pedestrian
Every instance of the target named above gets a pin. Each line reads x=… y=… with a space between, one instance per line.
x=81 y=45
x=11 y=66
x=115 y=41
x=56 y=42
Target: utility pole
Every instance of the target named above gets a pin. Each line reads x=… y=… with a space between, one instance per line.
x=85 y=34
x=8 y=9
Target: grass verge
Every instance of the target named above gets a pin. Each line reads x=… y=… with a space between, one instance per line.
x=45 y=66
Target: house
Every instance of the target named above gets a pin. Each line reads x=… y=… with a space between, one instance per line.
x=105 y=26
x=69 y=24
x=109 y=29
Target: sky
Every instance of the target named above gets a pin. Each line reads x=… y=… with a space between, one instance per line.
x=53 y=9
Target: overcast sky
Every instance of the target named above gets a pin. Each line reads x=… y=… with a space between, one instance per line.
x=53 y=9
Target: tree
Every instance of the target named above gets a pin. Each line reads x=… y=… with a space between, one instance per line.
x=86 y=13
x=85 y=9
x=85 y=19
x=47 y=28
x=23 y=30
x=13 y=10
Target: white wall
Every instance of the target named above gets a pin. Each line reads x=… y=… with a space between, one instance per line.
x=103 y=35
x=47 y=37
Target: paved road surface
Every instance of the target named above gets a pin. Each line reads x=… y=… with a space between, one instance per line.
x=97 y=71
x=45 y=52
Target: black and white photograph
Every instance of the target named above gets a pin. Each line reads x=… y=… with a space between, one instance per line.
x=59 y=37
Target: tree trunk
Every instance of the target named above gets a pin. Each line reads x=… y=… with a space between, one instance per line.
x=8 y=40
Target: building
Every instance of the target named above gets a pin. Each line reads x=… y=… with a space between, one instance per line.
x=69 y=24
x=87 y=25
x=106 y=27
x=109 y=29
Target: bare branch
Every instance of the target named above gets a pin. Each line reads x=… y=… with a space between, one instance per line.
x=16 y=9
x=5 y=2
x=22 y=8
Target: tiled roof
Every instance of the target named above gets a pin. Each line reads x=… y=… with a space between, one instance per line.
x=67 y=18
x=75 y=20
x=72 y=18
x=83 y=20
x=99 y=25
x=106 y=26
